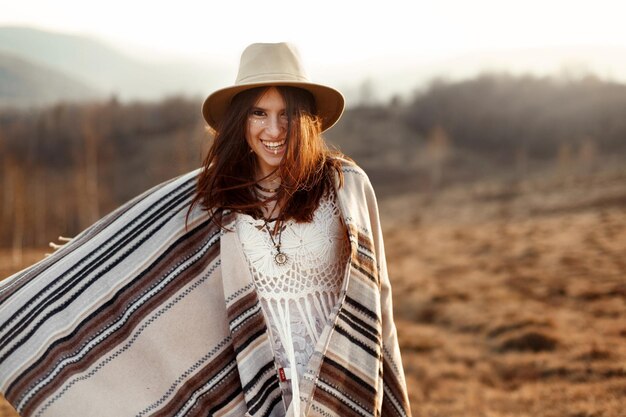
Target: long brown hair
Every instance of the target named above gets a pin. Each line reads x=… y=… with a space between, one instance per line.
x=307 y=169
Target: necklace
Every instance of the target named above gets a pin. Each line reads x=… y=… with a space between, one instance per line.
x=267 y=190
x=280 y=258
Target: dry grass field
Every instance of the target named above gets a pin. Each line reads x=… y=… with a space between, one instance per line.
x=510 y=299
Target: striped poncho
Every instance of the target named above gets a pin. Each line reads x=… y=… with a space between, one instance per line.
x=140 y=316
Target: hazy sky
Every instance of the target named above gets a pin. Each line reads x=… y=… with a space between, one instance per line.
x=334 y=36
x=336 y=31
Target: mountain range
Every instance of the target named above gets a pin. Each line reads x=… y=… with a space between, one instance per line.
x=24 y=83
x=38 y=67
x=72 y=67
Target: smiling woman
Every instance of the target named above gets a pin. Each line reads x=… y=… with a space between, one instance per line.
x=270 y=165
x=254 y=286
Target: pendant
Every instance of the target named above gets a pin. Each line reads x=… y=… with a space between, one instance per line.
x=280 y=258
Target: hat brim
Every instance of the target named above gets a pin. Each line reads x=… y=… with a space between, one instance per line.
x=330 y=102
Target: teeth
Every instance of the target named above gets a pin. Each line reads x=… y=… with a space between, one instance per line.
x=273 y=144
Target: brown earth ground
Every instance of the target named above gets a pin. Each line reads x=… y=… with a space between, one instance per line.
x=510 y=299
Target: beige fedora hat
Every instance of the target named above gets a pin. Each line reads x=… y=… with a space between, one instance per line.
x=264 y=64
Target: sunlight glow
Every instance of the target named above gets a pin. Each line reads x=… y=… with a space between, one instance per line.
x=394 y=43
x=331 y=32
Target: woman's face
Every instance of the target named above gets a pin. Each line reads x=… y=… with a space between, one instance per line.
x=266 y=132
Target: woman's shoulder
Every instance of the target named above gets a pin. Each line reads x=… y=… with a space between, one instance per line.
x=350 y=167
x=354 y=177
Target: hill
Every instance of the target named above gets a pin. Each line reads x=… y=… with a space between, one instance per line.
x=104 y=67
x=118 y=69
x=23 y=83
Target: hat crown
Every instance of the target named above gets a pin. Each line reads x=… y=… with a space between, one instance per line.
x=270 y=62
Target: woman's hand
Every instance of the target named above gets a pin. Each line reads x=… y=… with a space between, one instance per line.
x=56 y=246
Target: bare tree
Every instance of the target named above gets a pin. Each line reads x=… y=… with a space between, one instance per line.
x=564 y=161
x=367 y=93
x=87 y=178
x=521 y=162
x=438 y=151
x=587 y=156
x=16 y=196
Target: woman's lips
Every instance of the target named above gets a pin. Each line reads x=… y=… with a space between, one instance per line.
x=274 y=147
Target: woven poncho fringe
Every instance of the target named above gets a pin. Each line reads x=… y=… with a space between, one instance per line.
x=139 y=316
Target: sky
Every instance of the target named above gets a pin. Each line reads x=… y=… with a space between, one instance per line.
x=366 y=36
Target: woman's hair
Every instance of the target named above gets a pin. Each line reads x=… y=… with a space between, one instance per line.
x=307 y=169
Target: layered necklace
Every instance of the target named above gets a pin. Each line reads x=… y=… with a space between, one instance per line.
x=267 y=190
x=280 y=258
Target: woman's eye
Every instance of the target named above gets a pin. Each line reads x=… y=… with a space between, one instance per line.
x=258 y=113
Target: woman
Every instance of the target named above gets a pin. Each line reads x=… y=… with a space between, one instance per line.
x=255 y=286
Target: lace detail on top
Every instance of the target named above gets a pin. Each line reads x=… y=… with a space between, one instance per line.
x=297 y=297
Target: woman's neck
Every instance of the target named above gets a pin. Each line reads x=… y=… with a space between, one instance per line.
x=269 y=183
x=268 y=180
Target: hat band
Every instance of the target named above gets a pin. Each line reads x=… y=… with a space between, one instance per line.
x=275 y=77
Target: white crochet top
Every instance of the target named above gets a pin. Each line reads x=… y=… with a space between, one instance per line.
x=297 y=298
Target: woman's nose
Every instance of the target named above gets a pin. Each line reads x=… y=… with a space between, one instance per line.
x=274 y=126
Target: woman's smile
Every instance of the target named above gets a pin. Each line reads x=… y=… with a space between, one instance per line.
x=274 y=147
